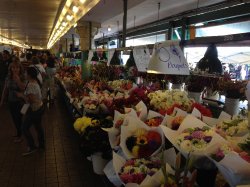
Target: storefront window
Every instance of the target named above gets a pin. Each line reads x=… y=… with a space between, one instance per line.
x=235 y=60
x=145 y=40
x=221 y=30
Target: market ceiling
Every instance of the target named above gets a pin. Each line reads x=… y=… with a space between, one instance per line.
x=32 y=21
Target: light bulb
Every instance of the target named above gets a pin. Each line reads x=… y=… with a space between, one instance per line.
x=64 y=24
x=75 y=9
x=82 y=1
x=109 y=28
x=69 y=17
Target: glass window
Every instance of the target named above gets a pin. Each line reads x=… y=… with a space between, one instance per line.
x=221 y=30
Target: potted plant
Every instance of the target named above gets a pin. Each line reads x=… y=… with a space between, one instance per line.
x=195 y=86
x=234 y=91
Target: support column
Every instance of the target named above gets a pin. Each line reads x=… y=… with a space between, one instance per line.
x=87 y=31
x=170 y=31
x=124 y=32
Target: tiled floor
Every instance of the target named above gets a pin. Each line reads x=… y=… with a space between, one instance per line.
x=61 y=164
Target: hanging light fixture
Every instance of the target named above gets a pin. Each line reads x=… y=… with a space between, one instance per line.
x=109 y=28
x=72 y=11
x=168 y=58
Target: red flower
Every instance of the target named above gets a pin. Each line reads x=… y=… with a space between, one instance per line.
x=203 y=110
x=154 y=136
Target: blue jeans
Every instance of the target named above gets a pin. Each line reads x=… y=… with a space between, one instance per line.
x=33 y=118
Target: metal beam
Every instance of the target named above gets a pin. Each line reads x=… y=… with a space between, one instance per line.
x=125 y=9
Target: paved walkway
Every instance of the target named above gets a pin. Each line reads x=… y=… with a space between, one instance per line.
x=61 y=164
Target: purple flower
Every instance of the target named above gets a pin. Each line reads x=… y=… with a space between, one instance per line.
x=207 y=139
x=188 y=138
x=197 y=134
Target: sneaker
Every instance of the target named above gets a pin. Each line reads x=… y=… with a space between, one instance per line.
x=29 y=151
x=18 y=140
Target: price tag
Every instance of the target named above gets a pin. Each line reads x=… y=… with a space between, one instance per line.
x=142 y=57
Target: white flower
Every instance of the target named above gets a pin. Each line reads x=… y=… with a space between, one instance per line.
x=186 y=145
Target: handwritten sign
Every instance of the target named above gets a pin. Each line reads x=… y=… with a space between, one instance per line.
x=91 y=54
x=168 y=58
x=142 y=57
x=110 y=55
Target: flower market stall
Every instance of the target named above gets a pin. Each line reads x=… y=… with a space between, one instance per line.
x=142 y=134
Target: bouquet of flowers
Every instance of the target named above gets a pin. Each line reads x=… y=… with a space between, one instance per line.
x=138 y=140
x=221 y=152
x=136 y=170
x=93 y=139
x=194 y=139
x=143 y=143
x=234 y=168
x=195 y=83
x=176 y=122
x=245 y=149
x=232 y=89
x=234 y=127
x=166 y=101
x=154 y=119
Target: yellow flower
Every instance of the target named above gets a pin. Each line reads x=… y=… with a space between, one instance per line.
x=141 y=140
x=135 y=150
x=140 y=132
x=95 y=122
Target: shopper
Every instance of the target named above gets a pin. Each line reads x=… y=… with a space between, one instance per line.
x=33 y=116
x=39 y=67
x=51 y=70
x=15 y=82
x=210 y=61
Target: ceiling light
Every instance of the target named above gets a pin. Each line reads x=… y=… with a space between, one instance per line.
x=109 y=28
x=69 y=17
x=64 y=23
x=75 y=9
x=199 y=24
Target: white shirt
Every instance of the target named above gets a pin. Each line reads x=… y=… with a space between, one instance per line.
x=41 y=70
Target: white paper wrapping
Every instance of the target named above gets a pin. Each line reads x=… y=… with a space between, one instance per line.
x=192 y=122
x=133 y=125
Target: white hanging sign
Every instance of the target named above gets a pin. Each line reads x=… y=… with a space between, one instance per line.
x=168 y=58
x=91 y=54
x=110 y=55
x=142 y=57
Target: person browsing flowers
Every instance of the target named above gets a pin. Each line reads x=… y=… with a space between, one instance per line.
x=33 y=116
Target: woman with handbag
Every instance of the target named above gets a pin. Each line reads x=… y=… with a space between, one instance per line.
x=33 y=116
x=15 y=82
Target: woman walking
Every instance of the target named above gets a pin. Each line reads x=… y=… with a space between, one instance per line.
x=33 y=117
x=15 y=82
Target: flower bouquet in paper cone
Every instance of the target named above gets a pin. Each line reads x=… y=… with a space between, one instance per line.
x=231 y=165
x=194 y=137
x=233 y=127
x=93 y=138
x=140 y=141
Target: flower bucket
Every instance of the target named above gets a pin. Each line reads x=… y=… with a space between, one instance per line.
x=232 y=106
x=177 y=86
x=195 y=95
x=98 y=163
